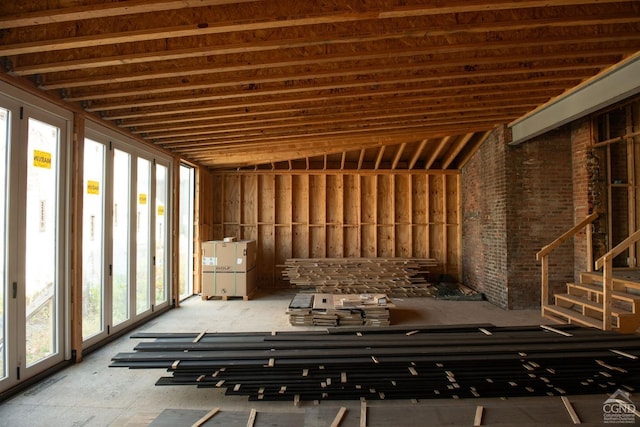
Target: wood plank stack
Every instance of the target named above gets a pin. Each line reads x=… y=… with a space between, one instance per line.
x=339 y=310
x=396 y=277
x=299 y=310
x=393 y=362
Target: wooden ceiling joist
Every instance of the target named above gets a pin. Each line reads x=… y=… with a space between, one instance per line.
x=363 y=76
x=265 y=23
x=559 y=39
x=407 y=60
x=386 y=85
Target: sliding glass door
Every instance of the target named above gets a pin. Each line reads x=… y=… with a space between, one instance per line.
x=161 y=256
x=125 y=240
x=143 y=236
x=5 y=291
x=125 y=236
x=93 y=239
x=33 y=250
x=41 y=229
x=121 y=238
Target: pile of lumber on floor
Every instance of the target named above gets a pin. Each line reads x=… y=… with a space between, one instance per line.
x=395 y=362
x=396 y=277
x=339 y=310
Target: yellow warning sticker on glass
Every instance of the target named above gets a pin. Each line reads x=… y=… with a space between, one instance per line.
x=41 y=159
x=142 y=199
x=93 y=187
x=160 y=210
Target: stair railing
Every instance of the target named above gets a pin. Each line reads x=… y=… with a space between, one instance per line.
x=606 y=263
x=543 y=255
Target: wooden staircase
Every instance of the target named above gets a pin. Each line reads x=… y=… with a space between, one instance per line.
x=605 y=298
x=583 y=303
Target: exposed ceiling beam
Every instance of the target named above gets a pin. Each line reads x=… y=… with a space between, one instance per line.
x=102 y=10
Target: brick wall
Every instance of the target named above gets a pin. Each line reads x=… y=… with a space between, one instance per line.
x=515 y=200
x=582 y=204
x=540 y=208
x=484 y=246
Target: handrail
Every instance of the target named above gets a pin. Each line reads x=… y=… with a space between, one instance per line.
x=606 y=263
x=566 y=235
x=543 y=255
x=620 y=247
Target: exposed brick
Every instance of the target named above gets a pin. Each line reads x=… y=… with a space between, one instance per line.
x=516 y=199
x=484 y=221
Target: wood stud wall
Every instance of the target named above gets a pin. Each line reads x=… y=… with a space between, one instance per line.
x=305 y=214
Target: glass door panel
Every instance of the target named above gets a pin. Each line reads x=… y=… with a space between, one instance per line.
x=161 y=235
x=41 y=261
x=4 y=144
x=121 y=236
x=186 y=231
x=33 y=244
x=143 y=236
x=93 y=239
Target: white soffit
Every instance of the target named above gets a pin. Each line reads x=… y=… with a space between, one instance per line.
x=612 y=85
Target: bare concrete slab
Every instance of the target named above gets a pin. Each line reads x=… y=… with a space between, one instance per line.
x=92 y=394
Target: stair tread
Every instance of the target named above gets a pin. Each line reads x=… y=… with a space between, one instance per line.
x=616 y=311
x=596 y=288
x=574 y=315
x=624 y=281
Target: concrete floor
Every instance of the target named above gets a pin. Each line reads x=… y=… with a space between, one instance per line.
x=92 y=394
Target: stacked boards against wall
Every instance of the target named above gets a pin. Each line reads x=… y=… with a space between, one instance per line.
x=335 y=214
x=396 y=277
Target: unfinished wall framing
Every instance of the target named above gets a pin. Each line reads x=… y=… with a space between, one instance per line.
x=302 y=214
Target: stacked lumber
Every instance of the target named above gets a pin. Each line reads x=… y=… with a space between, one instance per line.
x=396 y=277
x=393 y=362
x=339 y=310
x=376 y=317
x=373 y=308
x=299 y=310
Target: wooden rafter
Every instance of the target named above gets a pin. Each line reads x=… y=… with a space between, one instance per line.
x=384 y=85
x=398 y=155
x=459 y=145
x=201 y=29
